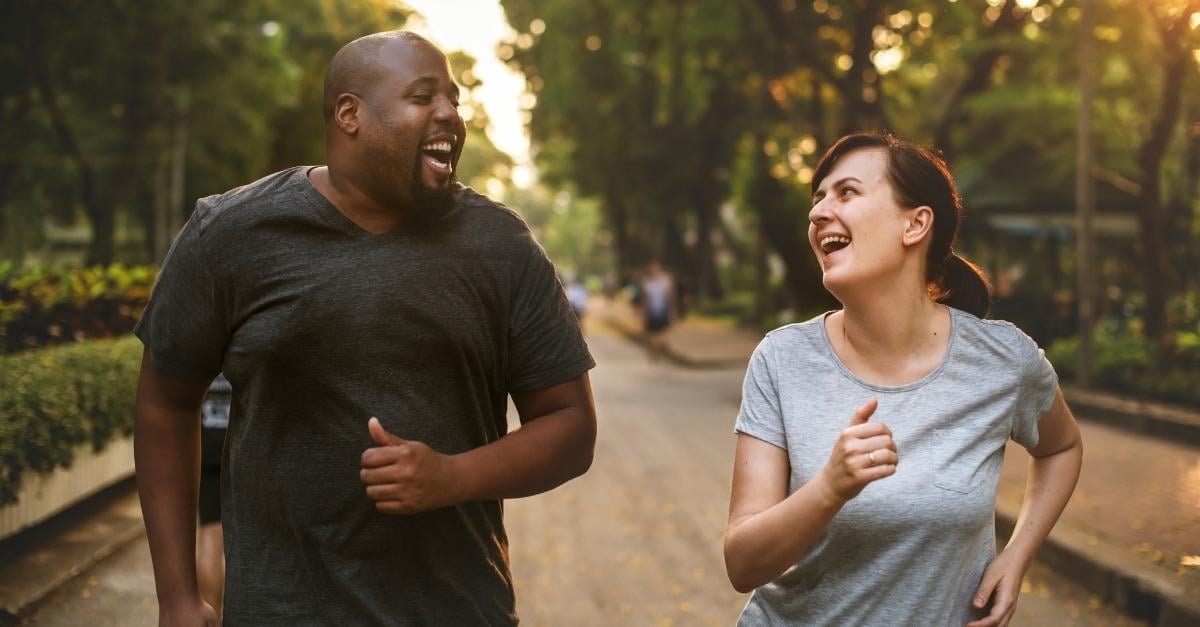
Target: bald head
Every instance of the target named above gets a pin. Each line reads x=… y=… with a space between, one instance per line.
x=356 y=67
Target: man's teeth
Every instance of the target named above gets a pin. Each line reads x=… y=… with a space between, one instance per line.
x=834 y=239
x=442 y=146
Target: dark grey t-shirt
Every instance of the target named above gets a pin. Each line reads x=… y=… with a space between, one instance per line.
x=319 y=325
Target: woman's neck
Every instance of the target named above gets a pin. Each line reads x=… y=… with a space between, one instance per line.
x=891 y=324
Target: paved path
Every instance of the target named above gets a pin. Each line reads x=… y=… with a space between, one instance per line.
x=1136 y=492
x=636 y=541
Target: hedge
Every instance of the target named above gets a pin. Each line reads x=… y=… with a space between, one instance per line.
x=1127 y=362
x=45 y=306
x=53 y=400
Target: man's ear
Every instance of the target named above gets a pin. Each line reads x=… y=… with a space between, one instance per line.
x=918 y=225
x=345 y=113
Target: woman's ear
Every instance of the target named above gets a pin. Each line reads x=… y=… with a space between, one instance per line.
x=918 y=225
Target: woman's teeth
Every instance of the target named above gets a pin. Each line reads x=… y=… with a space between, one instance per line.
x=831 y=243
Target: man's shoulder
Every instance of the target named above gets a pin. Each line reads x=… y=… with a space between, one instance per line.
x=480 y=209
x=246 y=201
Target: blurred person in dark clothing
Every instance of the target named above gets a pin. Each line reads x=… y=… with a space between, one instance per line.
x=210 y=546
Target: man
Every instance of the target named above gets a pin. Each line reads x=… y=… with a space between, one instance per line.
x=372 y=317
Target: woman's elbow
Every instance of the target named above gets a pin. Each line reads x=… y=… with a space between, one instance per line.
x=737 y=569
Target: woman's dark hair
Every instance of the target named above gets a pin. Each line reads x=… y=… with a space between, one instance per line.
x=920 y=177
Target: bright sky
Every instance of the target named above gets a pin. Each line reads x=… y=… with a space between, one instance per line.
x=476 y=27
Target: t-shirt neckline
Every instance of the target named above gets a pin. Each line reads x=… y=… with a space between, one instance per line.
x=327 y=209
x=912 y=385
x=331 y=213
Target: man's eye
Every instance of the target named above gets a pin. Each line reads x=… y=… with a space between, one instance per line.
x=423 y=98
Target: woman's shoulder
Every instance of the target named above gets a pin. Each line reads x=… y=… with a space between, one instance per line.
x=998 y=336
x=796 y=337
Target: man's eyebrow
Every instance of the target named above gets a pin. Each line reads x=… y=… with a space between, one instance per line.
x=424 y=81
x=432 y=82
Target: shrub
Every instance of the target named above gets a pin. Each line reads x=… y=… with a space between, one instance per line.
x=42 y=306
x=1125 y=361
x=55 y=399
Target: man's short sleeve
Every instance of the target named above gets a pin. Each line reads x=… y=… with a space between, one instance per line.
x=546 y=345
x=760 y=415
x=1039 y=386
x=184 y=325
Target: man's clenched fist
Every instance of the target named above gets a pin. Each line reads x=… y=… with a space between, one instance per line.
x=407 y=477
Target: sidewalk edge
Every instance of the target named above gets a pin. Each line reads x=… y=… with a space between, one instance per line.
x=671 y=352
x=1160 y=421
x=23 y=602
x=1116 y=576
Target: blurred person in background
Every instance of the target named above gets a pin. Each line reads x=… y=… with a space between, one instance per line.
x=870 y=439
x=577 y=295
x=373 y=317
x=658 y=309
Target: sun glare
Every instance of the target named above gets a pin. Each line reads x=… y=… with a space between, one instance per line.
x=502 y=88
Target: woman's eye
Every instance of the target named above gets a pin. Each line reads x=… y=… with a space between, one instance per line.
x=846 y=191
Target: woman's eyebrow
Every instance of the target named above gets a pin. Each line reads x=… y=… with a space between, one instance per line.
x=837 y=183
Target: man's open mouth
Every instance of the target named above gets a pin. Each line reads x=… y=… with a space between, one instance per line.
x=438 y=154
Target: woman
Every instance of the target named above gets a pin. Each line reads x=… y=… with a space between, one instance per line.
x=870 y=439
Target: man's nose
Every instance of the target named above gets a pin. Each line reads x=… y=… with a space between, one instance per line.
x=446 y=111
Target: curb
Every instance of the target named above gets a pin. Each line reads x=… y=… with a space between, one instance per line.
x=24 y=590
x=1154 y=419
x=672 y=354
x=1119 y=578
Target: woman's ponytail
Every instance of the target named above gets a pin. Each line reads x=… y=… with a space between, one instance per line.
x=964 y=286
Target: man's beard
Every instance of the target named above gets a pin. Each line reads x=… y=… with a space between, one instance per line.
x=429 y=204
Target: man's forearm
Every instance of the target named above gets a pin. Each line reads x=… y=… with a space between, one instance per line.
x=166 y=452
x=541 y=455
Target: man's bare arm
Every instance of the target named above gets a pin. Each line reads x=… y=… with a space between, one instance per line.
x=553 y=445
x=167 y=455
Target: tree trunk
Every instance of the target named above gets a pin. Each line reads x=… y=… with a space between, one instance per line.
x=864 y=113
x=780 y=228
x=1155 y=263
x=979 y=76
x=146 y=84
x=99 y=214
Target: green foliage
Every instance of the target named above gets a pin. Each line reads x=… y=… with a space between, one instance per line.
x=42 y=306
x=56 y=399
x=731 y=103
x=1125 y=360
x=570 y=228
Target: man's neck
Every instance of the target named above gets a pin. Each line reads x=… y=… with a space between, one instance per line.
x=353 y=202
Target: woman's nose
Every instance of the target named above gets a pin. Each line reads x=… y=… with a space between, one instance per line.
x=819 y=214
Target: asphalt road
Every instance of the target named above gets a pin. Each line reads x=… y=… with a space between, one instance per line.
x=636 y=541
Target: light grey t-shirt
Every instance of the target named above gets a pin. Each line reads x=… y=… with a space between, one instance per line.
x=911 y=548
